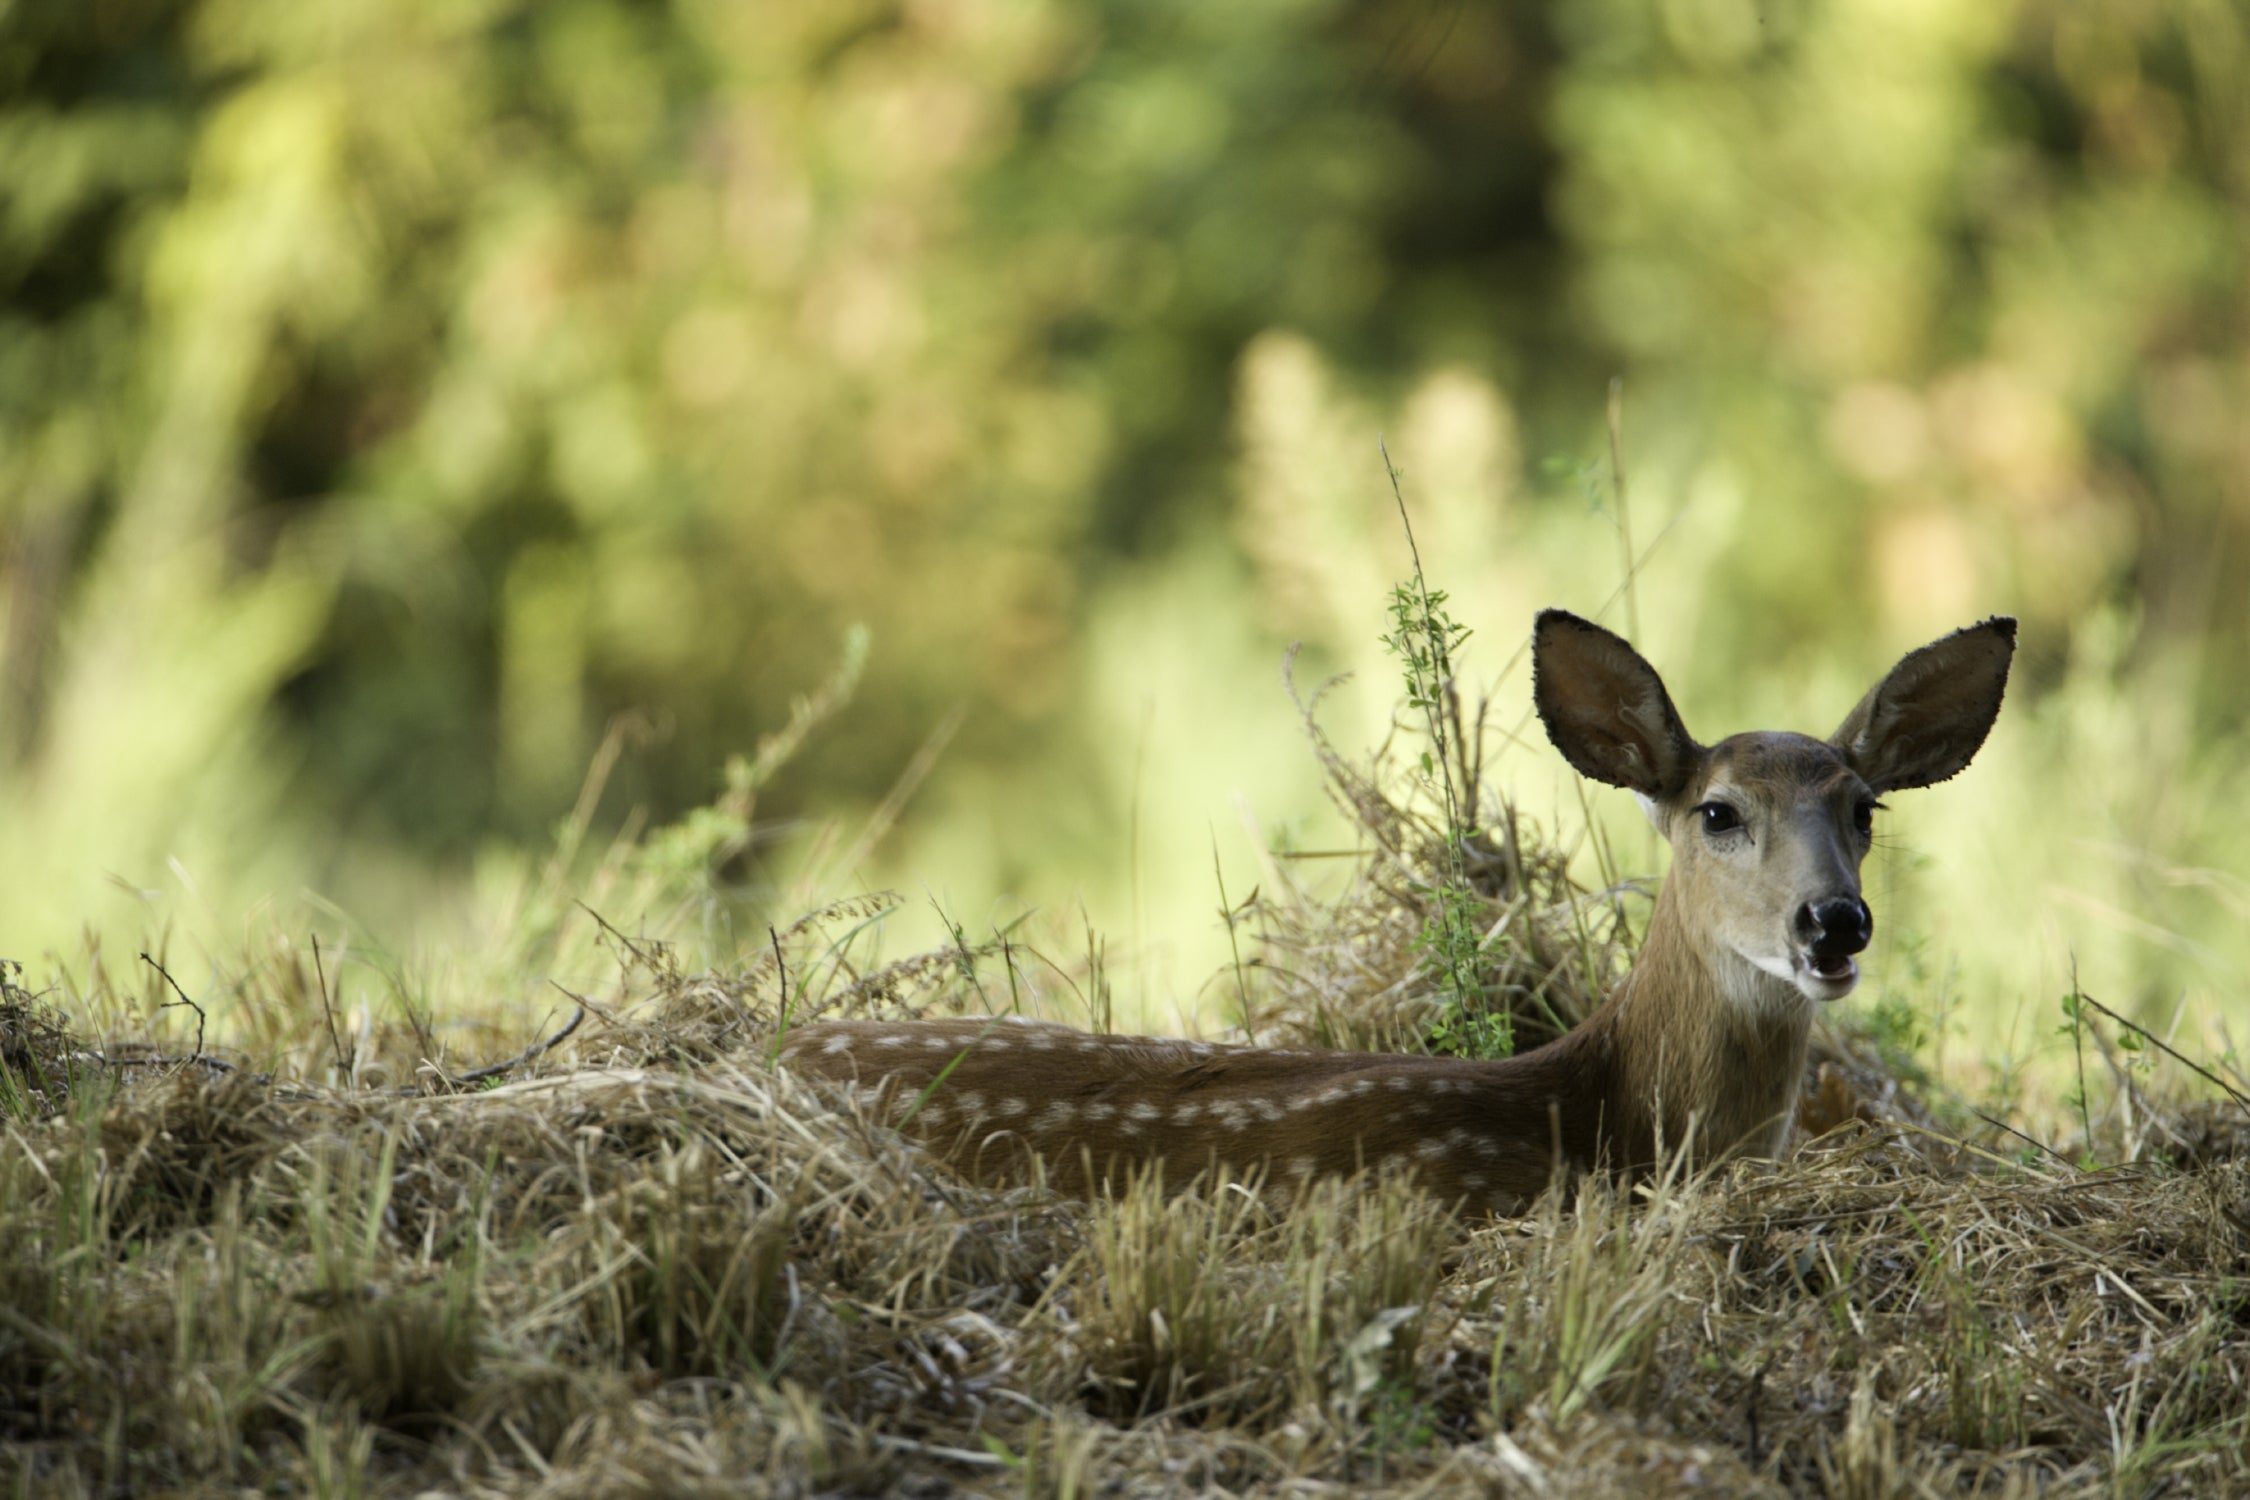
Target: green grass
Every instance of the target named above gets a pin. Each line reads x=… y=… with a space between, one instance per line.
x=1423 y=641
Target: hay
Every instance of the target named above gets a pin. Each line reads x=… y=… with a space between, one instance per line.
x=1341 y=962
x=618 y=1274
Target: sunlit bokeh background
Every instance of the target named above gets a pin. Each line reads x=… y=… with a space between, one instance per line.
x=397 y=398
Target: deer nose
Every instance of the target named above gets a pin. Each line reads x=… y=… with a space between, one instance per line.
x=1835 y=928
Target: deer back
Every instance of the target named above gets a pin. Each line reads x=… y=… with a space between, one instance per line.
x=991 y=1094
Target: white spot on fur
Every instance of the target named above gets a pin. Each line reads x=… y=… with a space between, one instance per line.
x=1430 y=1150
x=931 y=1115
x=895 y=1039
x=1473 y=1180
x=1335 y=1093
x=1186 y=1114
x=972 y=1103
x=1364 y=1086
x=1056 y=1116
x=1268 y=1111
x=1098 y=1112
x=1143 y=1111
x=837 y=1046
x=1398 y=1084
x=937 y=1043
x=1008 y=1106
x=1302 y=1166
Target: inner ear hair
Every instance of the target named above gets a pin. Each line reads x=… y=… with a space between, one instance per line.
x=1606 y=709
x=1930 y=714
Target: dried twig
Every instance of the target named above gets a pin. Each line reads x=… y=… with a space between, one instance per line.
x=347 y=1060
x=197 y=1055
x=534 y=1051
x=2241 y=1099
x=2031 y=1140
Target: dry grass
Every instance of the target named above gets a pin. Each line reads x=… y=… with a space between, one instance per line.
x=644 y=1262
x=648 y=1263
x=1339 y=959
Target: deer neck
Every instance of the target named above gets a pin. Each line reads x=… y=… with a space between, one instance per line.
x=1696 y=1036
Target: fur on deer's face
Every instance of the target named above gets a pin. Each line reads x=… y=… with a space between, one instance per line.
x=1767 y=838
x=1768 y=829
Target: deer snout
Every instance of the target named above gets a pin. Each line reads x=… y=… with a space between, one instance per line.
x=1835 y=928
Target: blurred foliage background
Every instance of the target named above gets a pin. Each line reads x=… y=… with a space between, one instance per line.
x=395 y=397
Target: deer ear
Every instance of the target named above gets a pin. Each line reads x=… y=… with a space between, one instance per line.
x=1606 y=709
x=1922 y=723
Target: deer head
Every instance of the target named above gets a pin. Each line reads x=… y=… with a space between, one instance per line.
x=1768 y=829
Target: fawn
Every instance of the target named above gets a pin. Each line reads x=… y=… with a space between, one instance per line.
x=1700 y=1046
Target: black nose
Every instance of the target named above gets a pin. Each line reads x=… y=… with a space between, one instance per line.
x=1835 y=928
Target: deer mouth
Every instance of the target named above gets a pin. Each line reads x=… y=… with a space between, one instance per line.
x=1827 y=976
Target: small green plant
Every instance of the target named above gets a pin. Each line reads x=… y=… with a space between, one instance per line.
x=692 y=854
x=2075 y=1023
x=1424 y=639
x=1394 y=1422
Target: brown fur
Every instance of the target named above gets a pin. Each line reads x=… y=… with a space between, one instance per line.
x=1701 y=1047
x=1472 y=1130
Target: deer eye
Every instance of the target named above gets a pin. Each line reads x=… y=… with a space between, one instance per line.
x=1863 y=817
x=1719 y=818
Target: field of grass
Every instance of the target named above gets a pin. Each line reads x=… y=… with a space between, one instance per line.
x=942 y=414
x=309 y=1229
